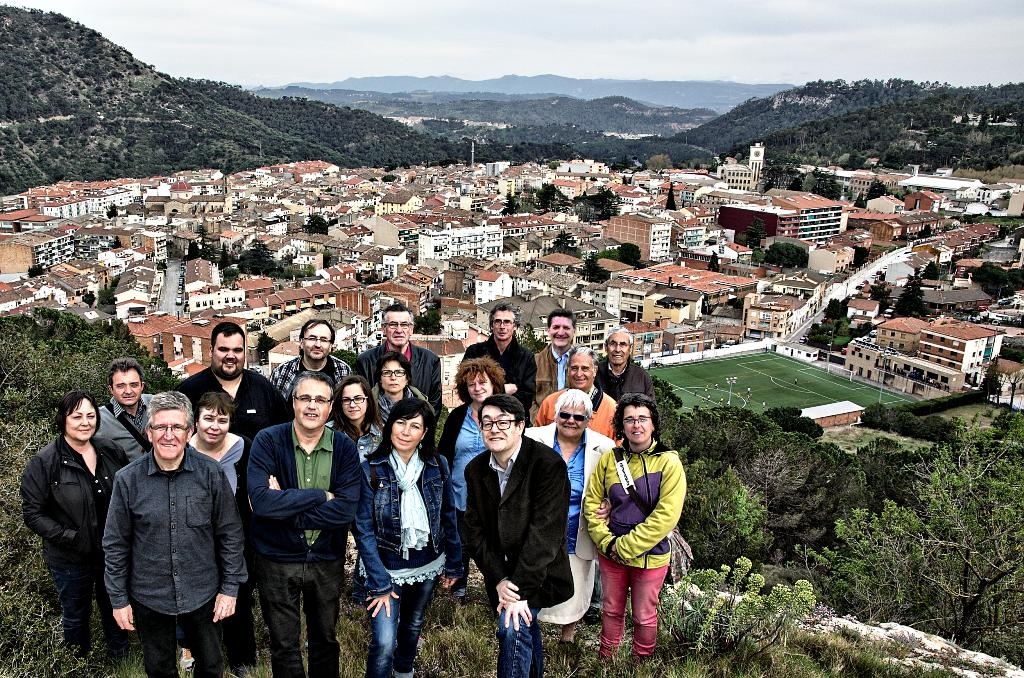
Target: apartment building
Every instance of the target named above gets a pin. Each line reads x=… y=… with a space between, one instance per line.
x=653 y=235
x=23 y=251
x=960 y=346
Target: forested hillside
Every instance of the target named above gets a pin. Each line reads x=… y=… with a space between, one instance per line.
x=75 y=106
x=898 y=121
x=813 y=101
x=607 y=114
x=979 y=128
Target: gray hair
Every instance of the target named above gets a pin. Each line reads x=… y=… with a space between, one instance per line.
x=505 y=306
x=171 y=400
x=311 y=376
x=579 y=349
x=573 y=397
x=618 y=330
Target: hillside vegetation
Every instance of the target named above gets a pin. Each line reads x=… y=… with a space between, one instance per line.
x=76 y=106
x=607 y=114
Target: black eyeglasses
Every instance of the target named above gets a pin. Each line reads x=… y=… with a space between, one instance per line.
x=500 y=424
x=392 y=373
x=566 y=416
x=354 y=400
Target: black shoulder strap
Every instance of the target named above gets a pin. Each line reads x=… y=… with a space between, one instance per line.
x=130 y=427
x=631 y=489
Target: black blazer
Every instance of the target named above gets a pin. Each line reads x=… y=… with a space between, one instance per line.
x=426 y=371
x=521 y=534
x=518 y=363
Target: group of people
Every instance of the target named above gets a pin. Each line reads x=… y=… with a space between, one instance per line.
x=175 y=510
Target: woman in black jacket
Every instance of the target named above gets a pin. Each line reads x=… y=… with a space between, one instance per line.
x=65 y=492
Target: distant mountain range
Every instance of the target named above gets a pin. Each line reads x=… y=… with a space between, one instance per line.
x=608 y=114
x=717 y=95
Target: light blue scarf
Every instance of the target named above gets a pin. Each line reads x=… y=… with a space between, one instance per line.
x=413 y=513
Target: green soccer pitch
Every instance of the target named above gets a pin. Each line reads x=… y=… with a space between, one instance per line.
x=766 y=380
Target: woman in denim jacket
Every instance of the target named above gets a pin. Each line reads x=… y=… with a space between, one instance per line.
x=407 y=536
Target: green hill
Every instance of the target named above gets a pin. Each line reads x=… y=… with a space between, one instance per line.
x=606 y=114
x=75 y=106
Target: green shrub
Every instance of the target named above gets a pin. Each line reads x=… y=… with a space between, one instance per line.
x=723 y=610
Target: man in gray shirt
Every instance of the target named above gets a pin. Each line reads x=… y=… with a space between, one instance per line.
x=173 y=545
x=123 y=419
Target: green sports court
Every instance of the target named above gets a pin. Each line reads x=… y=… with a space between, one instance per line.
x=767 y=380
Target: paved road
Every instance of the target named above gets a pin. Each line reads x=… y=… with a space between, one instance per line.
x=170 y=290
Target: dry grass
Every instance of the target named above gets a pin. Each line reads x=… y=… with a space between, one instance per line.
x=851 y=438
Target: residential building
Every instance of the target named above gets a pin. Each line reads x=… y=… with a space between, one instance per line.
x=42 y=249
x=591 y=321
x=770 y=316
x=960 y=346
x=454 y=239
x=653 y=235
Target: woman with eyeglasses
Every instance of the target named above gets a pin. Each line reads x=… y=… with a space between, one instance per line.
x=394 y=382
x=645 y=484
x=407 y=537
x=213 y=438
x=461 y=439
x=65 y=493
x=356 y=414
x=580 y=448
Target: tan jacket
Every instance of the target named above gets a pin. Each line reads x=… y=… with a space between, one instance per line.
x=547 y=378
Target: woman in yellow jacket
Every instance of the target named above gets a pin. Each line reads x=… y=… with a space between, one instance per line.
x=645 y=485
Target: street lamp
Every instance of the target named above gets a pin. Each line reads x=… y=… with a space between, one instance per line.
x=831 y=342
x=731 y=381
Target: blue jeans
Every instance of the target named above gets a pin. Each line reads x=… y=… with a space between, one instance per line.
x=75 y=588
x=313 y=588
x=520 y=653
x=394 y=637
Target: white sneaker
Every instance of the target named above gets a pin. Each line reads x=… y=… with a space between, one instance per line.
x=186 y=661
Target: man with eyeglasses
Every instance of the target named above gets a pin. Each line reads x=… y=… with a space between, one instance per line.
x=304 y=486
x=517 y=509
x=517 y=361
x=582 y=375
x=619 y=374
x=257 y=403
x=173 y=545
x=426 y=366
x=316 y=339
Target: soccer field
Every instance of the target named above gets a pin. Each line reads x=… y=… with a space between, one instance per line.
x=766 y=380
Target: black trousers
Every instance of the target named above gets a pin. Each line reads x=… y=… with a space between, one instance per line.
x=160 y=644
x=315 y=588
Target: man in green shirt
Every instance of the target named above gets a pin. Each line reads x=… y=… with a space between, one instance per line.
x=304 y=488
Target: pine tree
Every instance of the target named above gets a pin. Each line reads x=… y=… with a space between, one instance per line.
x=670 y=202
x=713 y=264
x=911 y=301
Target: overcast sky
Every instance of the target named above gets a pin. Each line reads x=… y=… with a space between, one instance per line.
x=274 y=42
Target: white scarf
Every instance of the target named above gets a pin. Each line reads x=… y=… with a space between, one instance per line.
x=413 y=513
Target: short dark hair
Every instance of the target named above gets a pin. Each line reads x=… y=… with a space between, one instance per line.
x=505 y=306
x=307 y=375
x=635 y=400
x=313 y=323
x=218 y=402
x=225 y=329
x=124 y=365
x=68 y=403
x=408 y=408
x=507 y=404
x=562 y=313
x=398 y=358
x=470 y=369
x=397 y=307
x=341 y=422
